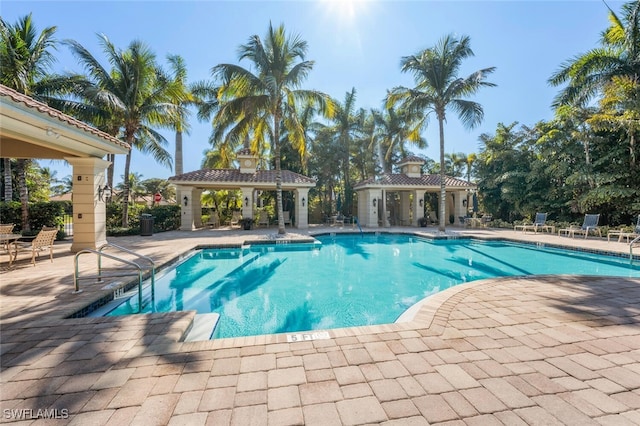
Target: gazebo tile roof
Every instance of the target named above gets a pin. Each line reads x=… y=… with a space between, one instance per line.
x=412 y=159
x=400 y=179
x=52 y=112
x=235 y=176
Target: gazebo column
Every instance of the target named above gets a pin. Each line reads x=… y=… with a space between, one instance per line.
x=460 y=204
x=247 y=202
x=302 y=208
x=89 y=211
x=405 y=208
x=187 y=206
x=368 y=207
x=418 y=207
x=197 y=207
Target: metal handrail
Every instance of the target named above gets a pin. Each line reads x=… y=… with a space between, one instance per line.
x=100 y=253
x=632 y=244
x=147 y=258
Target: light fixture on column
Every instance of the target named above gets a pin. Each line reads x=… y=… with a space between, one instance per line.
x=104 y=193
x=185 y=200
x=246 y=201
x=375 y=202
x=421 y=202
x=303 y=201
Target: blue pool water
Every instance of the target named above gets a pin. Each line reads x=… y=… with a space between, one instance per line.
x=348 y=280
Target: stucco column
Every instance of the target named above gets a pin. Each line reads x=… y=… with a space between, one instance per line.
x=405 y=208
x=460 y=201
x=187 y=216
x=418 y=207
x=247 y=203
x=89 y=211
x=302 y=208
x=196 y=196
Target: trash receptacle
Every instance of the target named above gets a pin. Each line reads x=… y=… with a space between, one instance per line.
x=146 y=225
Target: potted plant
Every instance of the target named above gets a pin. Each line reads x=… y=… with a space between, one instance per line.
x=246 y=223
x=423 y=222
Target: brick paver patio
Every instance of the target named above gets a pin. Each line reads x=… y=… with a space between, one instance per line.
x=534 y=350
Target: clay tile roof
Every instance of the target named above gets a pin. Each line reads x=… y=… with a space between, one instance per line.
x=400 y=179
x=412 y=159
x=52 y=112
x=234 y=176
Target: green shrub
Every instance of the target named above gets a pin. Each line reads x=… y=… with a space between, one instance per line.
x=41 y=213
x=165 y=218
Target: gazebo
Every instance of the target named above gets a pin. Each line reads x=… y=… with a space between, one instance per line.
x=399 y=198
x=249 y=180
x=31 y=129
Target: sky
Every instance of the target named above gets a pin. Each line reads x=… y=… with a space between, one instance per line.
x=355 y=44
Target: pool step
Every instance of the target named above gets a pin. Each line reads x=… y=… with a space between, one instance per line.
x=202 y=327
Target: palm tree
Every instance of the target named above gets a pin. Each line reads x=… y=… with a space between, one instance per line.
x=456 y=162
x=616 y=62
x=182 y=98
x=347 y=125
x=438 y=88
x=25 y=59
x=258 y=105
x=394 y=127
x=136 y=96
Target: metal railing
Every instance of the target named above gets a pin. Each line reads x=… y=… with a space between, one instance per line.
x=138 y=269
x=632 y=244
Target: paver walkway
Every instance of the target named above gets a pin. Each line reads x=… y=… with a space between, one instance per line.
x=536 y=350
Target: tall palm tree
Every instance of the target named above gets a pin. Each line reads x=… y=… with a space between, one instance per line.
x=616 y=62
x=136 y=96
x=438 y=89
x=259 y=105
x=182 y=98
x=25 y=59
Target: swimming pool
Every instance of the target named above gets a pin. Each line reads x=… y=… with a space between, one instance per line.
x=347 y=280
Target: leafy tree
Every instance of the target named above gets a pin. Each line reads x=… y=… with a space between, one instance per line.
x=439 y=89
x=260 y=105
x=158 y=186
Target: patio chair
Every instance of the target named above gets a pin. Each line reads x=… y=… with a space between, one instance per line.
x=286 y=215
x=486 y=219
x=235 y=219
x=263 y=219
x=6 y=228
x=44 y=240
x=538 y=223
x=623 y=233
x=214 y=220
x=590 y=223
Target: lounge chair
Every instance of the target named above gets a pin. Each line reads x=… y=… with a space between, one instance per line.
x=538 y=223
x=263 y=219
x=235 y=219
x=486 y=219
x=287 y=218
x=622 y=233
x=44 y=240
x=590 y=223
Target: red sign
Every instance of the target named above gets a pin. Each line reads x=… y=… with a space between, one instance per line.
x=157 y=197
